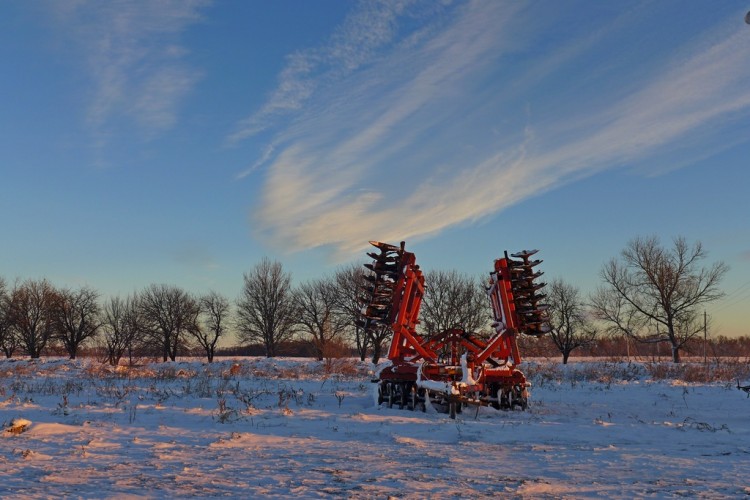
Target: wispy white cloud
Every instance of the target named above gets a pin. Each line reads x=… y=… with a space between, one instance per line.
x=418 y=135
x=268 y=153
x=351 y=45
x=134 y=58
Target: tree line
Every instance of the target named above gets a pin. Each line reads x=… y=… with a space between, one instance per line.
x=622 y=347
x=36 y=316
x=650 y=294
x=166 y=321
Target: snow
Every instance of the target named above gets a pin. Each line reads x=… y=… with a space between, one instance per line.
x=434 y=385
x=281 y=428
x=467 y=378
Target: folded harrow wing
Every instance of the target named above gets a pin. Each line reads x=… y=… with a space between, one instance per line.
x=452 y=369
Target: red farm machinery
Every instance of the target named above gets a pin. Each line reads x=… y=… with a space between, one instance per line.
x=452 y=369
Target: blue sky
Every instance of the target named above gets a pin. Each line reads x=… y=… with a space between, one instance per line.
x=181 y=141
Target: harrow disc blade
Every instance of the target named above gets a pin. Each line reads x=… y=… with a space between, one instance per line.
x=537 y=330
x=376 y=316
x=526 y=277
x=375 y=299
x=384 y=246
x=378 y=279
x=524 y=254
x=542 y=307
x=529 y=286
x=383 y=271
x=527 y=264
x=384 y=257
x=378 y=297
x=530 y=298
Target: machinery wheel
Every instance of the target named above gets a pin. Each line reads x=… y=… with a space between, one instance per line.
x=494 y=391
x=423 y=400
x=403 y=399
x=452 y=409
x=521 y=398
x=517 y=398
x=503 y=397
x=389 y=393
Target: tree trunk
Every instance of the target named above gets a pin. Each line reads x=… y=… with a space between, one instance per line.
x=361 y=344
x=375 y=352
x=72 y=349
x=565 y=355
x=675 y=353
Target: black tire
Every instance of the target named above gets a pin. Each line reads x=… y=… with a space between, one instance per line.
x=495 y=392
x=504 y=399
x=423 y=401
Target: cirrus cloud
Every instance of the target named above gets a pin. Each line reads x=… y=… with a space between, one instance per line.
x=453 y=121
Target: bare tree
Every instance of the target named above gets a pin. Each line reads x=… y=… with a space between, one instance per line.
x=350 y=280
x=31 y=314
x=619 y=319
x=453 y=300
x=316 y=305
x=122 y=327
x=212 y=324
x=169 y=314
x=8 y=340
x=76 y=318
x=266 y=310
x=653 y=293
x=569 y=319
x=378 y=339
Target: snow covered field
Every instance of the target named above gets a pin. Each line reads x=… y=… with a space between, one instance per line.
x=283 y=428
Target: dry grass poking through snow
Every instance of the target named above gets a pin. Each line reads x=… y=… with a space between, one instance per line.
x=284 y=428
x=724 y=371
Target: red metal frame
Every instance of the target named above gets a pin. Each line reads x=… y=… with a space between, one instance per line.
x=473 y=370
x=407 y=300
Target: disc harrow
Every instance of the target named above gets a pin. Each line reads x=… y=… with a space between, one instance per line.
x=453 y=369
